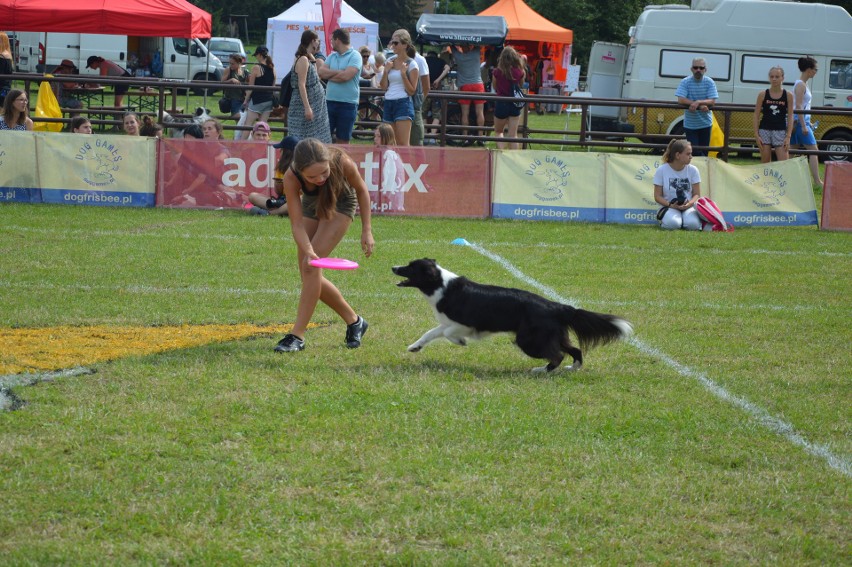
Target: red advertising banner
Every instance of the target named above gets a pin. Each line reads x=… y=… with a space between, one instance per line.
x=206 y=174
x=426 y=181
x=405 y=180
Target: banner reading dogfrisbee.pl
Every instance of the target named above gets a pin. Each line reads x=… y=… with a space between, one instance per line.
x=630 y=187
x=546 y=185
x=770 y=194
x=18 y=173
x=97 y=169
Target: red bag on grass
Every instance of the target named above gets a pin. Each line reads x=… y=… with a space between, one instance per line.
x=710 y=214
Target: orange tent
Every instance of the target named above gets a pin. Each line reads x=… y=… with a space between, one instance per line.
x=534 y=35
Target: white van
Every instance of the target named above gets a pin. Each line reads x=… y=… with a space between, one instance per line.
x=166 y=57
x=740 y=40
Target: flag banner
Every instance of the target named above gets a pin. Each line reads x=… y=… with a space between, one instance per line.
x=425 y=181
x=330 y=20
x=18 y=172
x=630 y=187
x=213 y=174
x=768 y=194
x=96 y=169
x=548 y=185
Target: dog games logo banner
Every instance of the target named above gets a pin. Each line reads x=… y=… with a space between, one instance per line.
x=770 y=194
x=548 y=185
x=630 y=187
x=97 y=169
x=18 y=172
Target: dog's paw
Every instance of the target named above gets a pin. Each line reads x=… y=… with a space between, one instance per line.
x=540 y=370
x=414 y=348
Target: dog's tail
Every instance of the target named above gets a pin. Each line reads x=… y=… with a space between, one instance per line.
x=595 y=329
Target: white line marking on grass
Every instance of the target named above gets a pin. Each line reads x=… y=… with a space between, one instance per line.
x=8 y=399
x=774 y=424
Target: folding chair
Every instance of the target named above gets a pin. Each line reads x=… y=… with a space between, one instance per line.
x=577 y=109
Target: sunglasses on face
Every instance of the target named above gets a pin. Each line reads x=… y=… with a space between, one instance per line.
x=395 y=42
x=697 y=68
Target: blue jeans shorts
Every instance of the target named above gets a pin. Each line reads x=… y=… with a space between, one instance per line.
x=398 y=109
x=504 y=109
x=341 y=119
x=800 y=138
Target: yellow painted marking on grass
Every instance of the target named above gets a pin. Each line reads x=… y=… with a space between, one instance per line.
x=53 y=348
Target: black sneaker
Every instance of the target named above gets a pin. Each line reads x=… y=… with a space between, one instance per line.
x=355 y=331
x=290 y=343
x=273 y=204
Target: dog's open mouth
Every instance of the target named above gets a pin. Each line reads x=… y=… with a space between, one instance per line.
x=399 y=270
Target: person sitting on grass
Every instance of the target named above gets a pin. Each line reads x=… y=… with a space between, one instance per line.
x=677 y=187
x=277 y=204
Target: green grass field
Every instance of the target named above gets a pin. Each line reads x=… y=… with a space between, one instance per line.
x=719 y=435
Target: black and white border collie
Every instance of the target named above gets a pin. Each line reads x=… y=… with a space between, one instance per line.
x=469 y=310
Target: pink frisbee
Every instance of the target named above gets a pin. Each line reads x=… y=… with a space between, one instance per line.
x=334 y=264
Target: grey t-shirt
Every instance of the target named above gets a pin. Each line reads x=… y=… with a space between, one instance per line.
x=467 y=67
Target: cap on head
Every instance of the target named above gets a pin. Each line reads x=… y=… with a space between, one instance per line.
x=288 y=143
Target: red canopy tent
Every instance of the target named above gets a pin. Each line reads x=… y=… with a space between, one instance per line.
x=534 y=35
x=149 y=18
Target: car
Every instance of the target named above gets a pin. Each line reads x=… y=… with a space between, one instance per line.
x=223 y=47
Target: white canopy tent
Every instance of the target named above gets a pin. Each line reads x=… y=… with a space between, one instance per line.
x=284 y=31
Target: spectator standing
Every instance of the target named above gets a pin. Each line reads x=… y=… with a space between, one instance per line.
x=438 y=70
x=7 y=66
x=342 y=71
x=307 y=116
x=803 y=130
x=66 y=67
x=418 y=100
x=509 y=72
x=677 y=187
x=698 y=93
x=376 y=81
x=469 y=79
x=257 y=103
x=236 y=75
x=773 y=118
x=323 y=187
x=110 y=69
x=400 y=81
x=368 y=66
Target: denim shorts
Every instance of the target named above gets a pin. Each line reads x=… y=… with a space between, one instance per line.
x=398 y=109
x=260 y=107
x=341 y=119
x=236 y=105
x=800 y=138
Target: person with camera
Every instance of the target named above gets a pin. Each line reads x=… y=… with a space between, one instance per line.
x=677 y=187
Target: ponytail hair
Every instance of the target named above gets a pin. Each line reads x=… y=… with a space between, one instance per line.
x=676 y=146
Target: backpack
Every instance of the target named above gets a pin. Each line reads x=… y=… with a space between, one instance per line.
x=712 y=215
x=286 y=90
